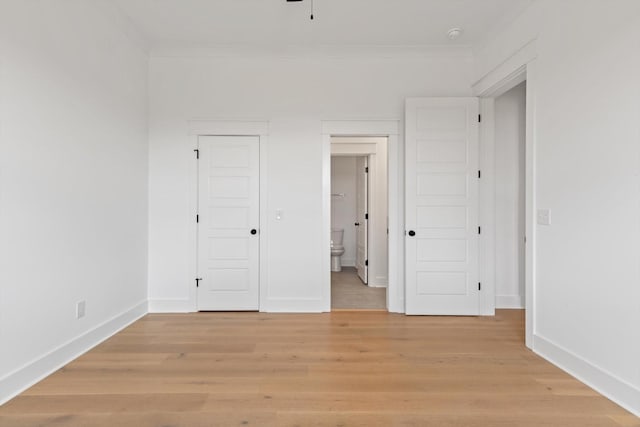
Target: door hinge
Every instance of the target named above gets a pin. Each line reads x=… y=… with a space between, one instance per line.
x=366 y=263
x=366 y=216
x=198 y=279
x=366 y=169
x=197 y=153
x=479 y=118
x=197 y=218
x=479 y=174
x=479 y=286
x=479 y=230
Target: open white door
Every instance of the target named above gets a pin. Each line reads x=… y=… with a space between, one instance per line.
x=362 y=218
x=442 y=206
x=228 y=210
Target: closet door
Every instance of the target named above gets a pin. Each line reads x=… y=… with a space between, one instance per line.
x=228 y=235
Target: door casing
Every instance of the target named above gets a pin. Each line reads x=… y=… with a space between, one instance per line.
x=390 y=129
x=520 y=67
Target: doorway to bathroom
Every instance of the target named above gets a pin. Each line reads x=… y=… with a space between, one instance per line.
x=359 y=223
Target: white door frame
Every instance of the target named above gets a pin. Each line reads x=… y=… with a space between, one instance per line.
x=518 y=68
x=214 y=127
x=391 y=130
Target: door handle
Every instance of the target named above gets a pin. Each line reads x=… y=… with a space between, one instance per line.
x=412 y=233
x=357 y=224
x=254 y=231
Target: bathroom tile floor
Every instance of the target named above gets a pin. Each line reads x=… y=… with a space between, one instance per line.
x=348 y=292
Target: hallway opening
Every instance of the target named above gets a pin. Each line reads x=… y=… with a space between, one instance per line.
x=359 y=223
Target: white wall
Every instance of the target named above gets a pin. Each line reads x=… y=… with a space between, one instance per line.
x=295 y=93
x=586 y=87
x=343 y=209
x=73 y=183
x=510 y=121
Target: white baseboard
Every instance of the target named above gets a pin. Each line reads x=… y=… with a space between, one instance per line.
x=271 y=305
x=376 y=285
x=378 y=282
x=170 y=306
x=293 y=305
x=614 y=388
x=509 y=301
x=23 y=378
x=348 y=262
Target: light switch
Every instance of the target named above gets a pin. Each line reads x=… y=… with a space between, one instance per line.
x=544 y=217
x=279 y=214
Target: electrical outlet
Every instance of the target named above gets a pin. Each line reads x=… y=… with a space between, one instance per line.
x=544 y=217
x=81 y=309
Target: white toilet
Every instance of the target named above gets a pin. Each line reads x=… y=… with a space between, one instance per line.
x=336 y=248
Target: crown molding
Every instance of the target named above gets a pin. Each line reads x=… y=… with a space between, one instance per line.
x=315 y=51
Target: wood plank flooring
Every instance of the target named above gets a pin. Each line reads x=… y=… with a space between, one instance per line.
x=338 y=369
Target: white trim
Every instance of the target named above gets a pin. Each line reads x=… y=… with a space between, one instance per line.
x=517 y=68
x=264 y=234
x=21 y=379
x=192 y=293
x=326 y=222
x=530 y=205
x=486 y=214
x=167 y=305
x=391 y=130
x=226 y=127
x=352 y=149
x=396 y=274
x=380 y=283
x=295 y=305
x=316 y=51
x=508 y=74
x=605 y=383
x=509 y=301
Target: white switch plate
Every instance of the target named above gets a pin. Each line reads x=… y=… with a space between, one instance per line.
x=544 y=217
x=80 y=309
x=279 y=214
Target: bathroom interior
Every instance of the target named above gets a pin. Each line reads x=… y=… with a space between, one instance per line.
x=359 y=239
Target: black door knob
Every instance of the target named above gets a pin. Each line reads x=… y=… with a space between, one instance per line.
x=412 y=233
x=357 y=224
x=254 y=231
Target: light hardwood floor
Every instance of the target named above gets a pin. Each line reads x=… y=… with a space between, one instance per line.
x=338 y=369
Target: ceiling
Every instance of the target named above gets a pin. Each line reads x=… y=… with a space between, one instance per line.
x=204 y=23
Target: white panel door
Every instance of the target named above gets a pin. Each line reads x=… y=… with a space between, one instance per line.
x=442 y=206
x=362 y=218
x=228 y=209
